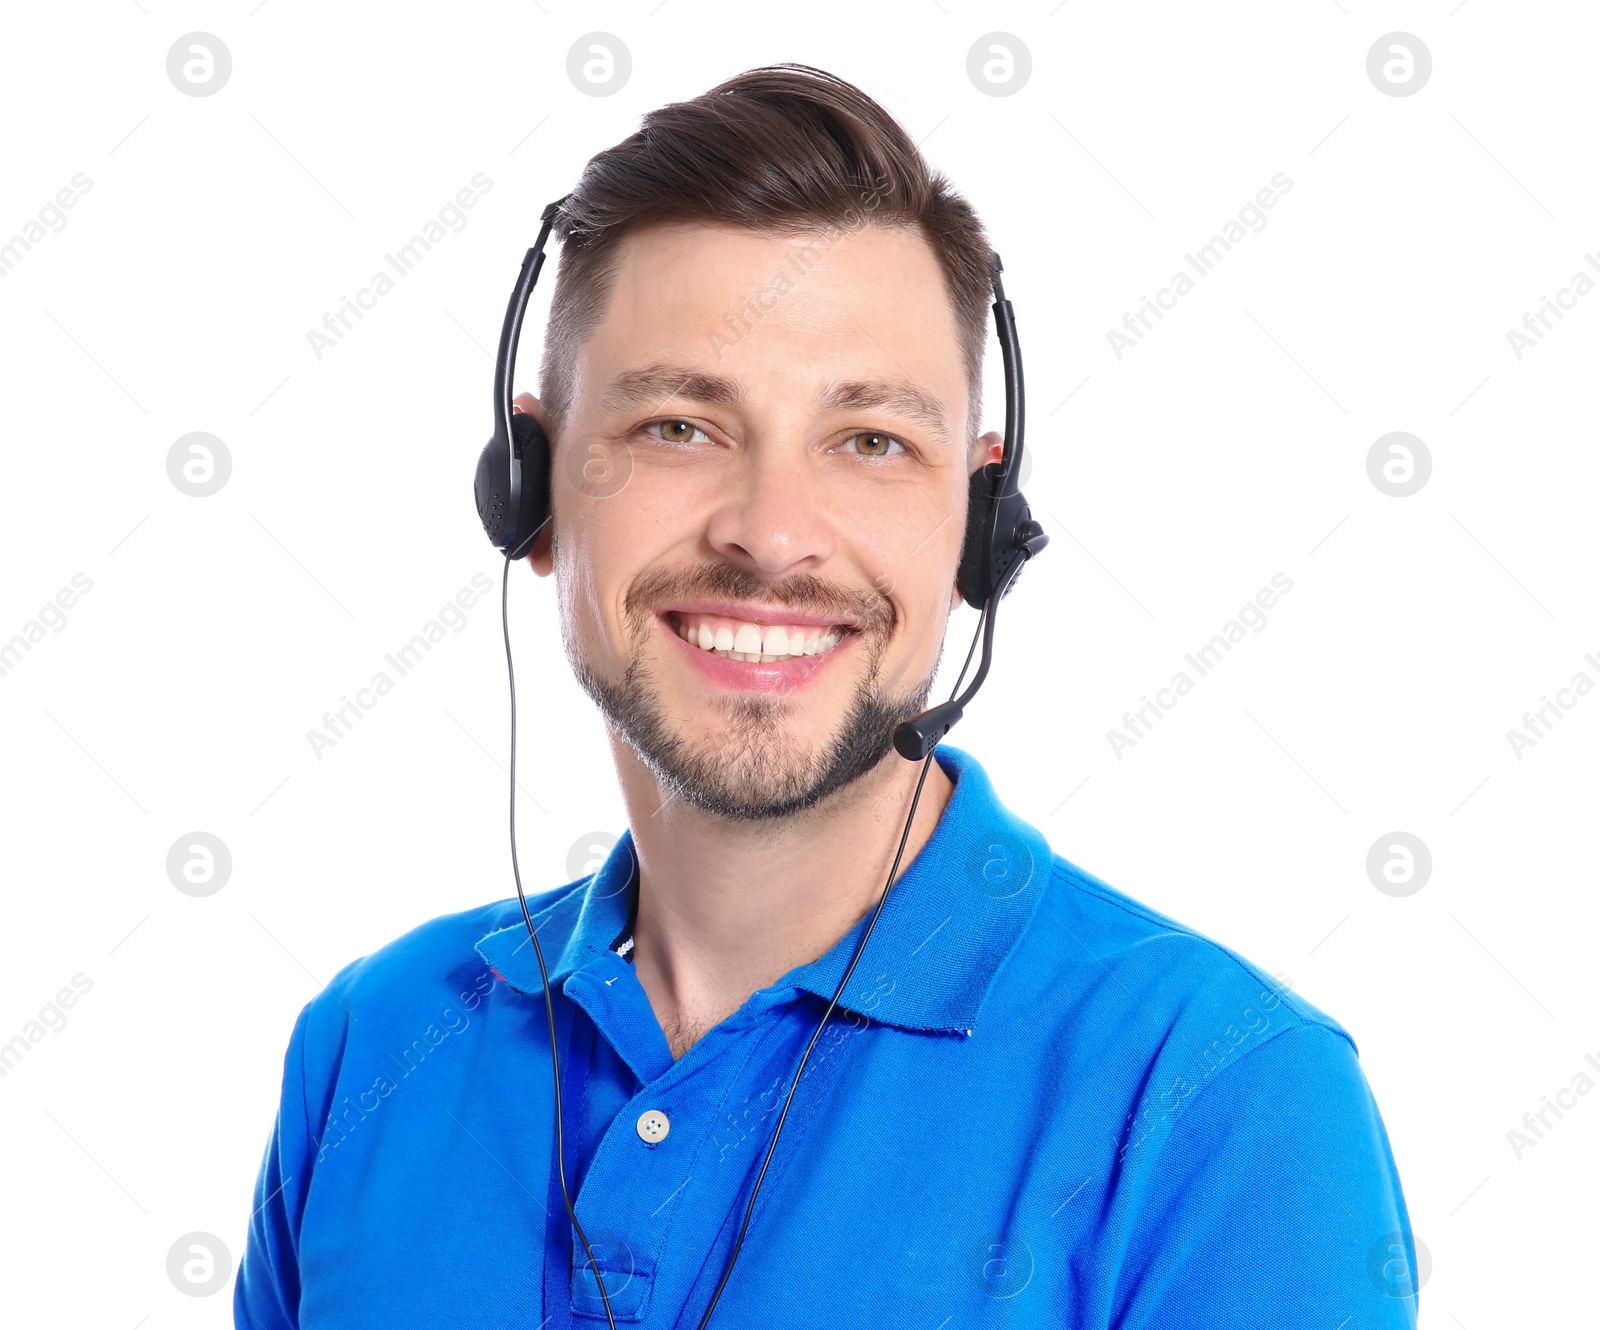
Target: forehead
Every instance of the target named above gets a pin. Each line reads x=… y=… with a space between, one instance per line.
x=778 y=311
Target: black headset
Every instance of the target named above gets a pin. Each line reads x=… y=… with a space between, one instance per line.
x=512 y=490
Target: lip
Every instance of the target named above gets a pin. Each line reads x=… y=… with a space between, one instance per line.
x=779 y=676
x=765 y=615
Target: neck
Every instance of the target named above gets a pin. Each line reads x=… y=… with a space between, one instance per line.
x=727 y=908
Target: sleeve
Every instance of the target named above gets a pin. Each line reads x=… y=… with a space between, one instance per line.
x=1274 y=1202
x=266 y=1294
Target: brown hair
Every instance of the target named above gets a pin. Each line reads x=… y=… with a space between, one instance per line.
x=785 y=149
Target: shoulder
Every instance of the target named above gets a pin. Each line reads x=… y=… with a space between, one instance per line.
x=1142 y=1004
x=422 y=976
x=1171 y=962
x=1091 y=968
x=1159 y=1019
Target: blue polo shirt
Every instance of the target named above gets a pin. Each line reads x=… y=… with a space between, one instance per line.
x=1039 y=1104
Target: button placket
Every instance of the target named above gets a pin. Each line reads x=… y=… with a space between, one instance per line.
x=639 y=1180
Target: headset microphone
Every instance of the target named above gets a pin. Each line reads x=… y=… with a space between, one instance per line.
x=512 y=490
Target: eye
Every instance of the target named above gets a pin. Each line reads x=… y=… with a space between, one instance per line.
x=676 y=431
x=871 y=443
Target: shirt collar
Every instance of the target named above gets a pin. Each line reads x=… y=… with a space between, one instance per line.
x=951 y=921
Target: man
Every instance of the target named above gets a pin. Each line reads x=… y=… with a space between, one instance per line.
x=1037 y=1103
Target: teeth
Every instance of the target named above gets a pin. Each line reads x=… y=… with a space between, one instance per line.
x=752 y=643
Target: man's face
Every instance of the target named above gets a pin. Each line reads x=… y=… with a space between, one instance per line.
x=759 y=494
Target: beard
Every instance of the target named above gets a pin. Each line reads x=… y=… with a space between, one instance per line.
x=752 y=770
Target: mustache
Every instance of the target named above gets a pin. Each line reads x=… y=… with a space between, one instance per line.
x=804 y=592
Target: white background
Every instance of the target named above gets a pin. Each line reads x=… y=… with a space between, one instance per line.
x=1228 y=445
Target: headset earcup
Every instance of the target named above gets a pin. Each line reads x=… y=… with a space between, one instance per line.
x=513 y=533
x=969 y=572
x=535 y=506
x=490 y=486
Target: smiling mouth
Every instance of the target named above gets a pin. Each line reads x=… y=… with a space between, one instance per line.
x=755 y=643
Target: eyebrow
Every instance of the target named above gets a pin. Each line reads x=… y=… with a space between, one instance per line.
x=656 y=384
x=898 y=394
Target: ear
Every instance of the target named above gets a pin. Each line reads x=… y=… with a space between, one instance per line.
x=991 y=448
x=539 y=555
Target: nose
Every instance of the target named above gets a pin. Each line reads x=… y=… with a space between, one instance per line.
x=773 y=518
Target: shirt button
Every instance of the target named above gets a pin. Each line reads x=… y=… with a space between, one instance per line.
x=652 y=1126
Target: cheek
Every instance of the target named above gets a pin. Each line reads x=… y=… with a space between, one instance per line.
x=910 y=540
x=927 y=630
x=923 y=600
x=578 y=565
x=602 y=550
